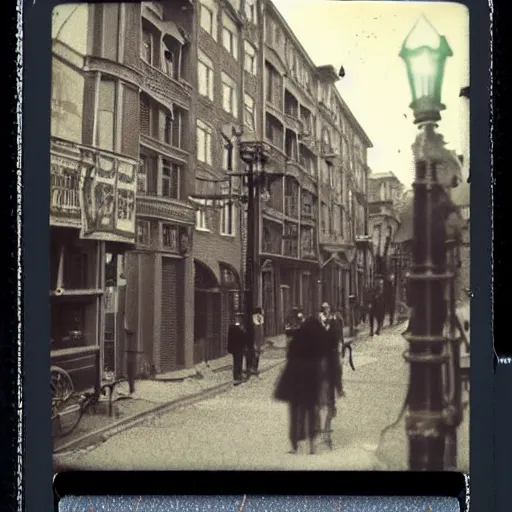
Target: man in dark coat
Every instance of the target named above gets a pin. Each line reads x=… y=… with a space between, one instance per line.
x=237 y=346
x=377 y=307
x=299 y=384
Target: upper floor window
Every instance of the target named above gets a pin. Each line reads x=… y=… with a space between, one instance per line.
x=229 y=36
x=204 y=142
x=250 y=63
x=250 y=11
x=142 y=175
x=208 y=20
x=201 y=220
x=227 y=219
x=249 y=111
x=274 y=86
x=205 y=75
x=229 y=100
x=106 y=114
x=171 y=179
x=147 y=46
x=143 y=232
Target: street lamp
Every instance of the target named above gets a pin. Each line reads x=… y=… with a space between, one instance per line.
x=430 y=422
x=255 y=155
x=425 y=52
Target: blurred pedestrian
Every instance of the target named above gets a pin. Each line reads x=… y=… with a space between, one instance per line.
x=237 y=346
x=330 y=376
x=299 y=384
x=257 y=342
x=377 y=308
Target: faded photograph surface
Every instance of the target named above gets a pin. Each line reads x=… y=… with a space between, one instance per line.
x=256 y=503
x=259 y=222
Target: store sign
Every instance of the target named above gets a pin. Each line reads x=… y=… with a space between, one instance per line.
x=108 y=195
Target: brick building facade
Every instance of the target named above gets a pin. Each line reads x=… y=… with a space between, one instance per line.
x=170 y=86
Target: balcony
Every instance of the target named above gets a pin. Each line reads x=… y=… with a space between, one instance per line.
x=163 y=208
x=93 y=190
x=163 y=148
x=333 y=241
x=162 y=87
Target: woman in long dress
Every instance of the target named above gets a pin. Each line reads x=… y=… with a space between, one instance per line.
x=299 y=384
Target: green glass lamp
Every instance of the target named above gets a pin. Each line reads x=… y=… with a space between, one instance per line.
x=424 y=52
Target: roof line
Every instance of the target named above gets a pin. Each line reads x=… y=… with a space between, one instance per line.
x=355 y=123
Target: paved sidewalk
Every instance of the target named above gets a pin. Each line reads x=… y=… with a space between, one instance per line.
x=151 y=396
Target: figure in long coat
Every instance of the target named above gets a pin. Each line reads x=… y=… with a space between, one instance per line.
x=330 y=376
x=237 y=346
x=299 y=384
x=377 y=308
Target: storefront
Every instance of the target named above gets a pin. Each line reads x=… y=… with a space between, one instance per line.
x=159 y=297
x=92 y=204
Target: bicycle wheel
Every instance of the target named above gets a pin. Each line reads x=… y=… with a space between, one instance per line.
x=61 y=387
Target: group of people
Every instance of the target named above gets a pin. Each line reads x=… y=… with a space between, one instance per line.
x=378 y=300
x=312 y=377
x=246 y=345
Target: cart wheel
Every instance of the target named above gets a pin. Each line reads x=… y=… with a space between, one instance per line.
x=61 y=386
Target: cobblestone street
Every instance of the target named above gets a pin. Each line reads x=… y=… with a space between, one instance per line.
x=244 y=428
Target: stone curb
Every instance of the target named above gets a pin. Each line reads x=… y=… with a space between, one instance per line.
x=103 y=433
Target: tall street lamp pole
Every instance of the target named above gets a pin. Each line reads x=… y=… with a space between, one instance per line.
x=255 y=155
x=424 y=52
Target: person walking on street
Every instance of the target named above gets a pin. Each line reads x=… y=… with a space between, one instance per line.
x=299 y=383
x=330 y=378
x=258 y=340
x=377 y=308
x=237 y=346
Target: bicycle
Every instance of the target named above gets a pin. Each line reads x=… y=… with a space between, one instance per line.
x=65 y=401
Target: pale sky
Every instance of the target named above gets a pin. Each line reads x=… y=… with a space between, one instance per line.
x=366 y=37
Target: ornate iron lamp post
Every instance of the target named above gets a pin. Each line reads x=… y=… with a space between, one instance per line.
x=255 y=154
x=425 y=52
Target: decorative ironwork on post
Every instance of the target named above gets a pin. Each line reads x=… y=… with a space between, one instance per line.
x=432 y=419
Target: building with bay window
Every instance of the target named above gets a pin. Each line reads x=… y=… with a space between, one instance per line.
x=93 y=179
x=345 y=252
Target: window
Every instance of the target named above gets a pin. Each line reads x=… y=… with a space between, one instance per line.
x=250 y=11
x=147 y=46
x=249 y=111
x=205 y=76
x=204 y=143
x=207 y=20
x=250 y=58
x=201 y=223
x=229 y=103
x=228 y=158
x=171 y=61
x=142 y=175
x=170 y=179
x=227 y=219
x=170 y=237
x=165 y=127
x=106 y=114
x=143 y=233
x=171 y=127
x=229 y=36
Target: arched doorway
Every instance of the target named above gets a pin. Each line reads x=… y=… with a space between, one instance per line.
x=207 y=318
